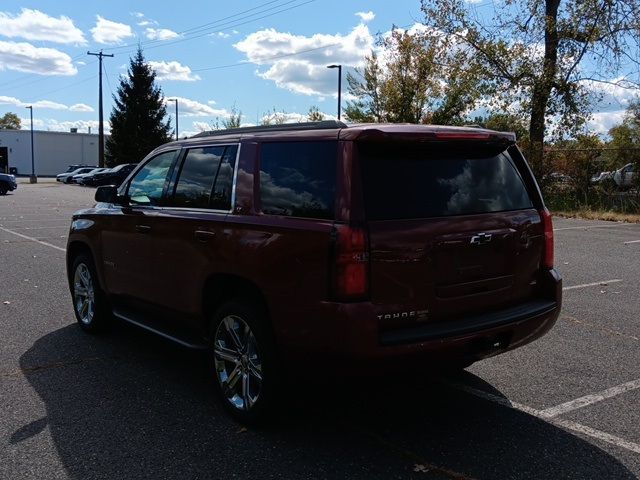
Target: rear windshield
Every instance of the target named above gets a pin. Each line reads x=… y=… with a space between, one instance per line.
x=402 y=182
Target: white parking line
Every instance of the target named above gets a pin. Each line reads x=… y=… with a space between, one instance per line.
x=33 y=239
x=567 y=424
x=586 y=227
x=632 y=241
x=590 y=399
x=602 y=283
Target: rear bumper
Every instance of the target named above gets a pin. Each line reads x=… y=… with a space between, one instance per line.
x=349 y=334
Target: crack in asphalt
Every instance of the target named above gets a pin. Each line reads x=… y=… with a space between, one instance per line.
x=609 y=331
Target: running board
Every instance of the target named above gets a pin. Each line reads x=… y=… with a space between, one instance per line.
x=134 y=319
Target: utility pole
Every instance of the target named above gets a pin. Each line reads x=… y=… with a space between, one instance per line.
x=100 y=119
x=32 y=178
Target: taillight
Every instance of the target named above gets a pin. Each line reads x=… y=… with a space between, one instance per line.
x=351 y=269
x=547 y=259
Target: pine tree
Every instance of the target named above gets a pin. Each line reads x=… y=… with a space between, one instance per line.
x=137 y=119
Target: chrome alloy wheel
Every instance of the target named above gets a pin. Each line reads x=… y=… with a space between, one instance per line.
x=83 y=294
x=237 y=362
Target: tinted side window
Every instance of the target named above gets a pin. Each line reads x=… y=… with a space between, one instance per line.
x=298 y=178
x=197 y=176
x=221 y=196
x=206 y=178
x=147 y=185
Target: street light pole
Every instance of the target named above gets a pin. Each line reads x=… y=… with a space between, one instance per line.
x=33 y=178
x=339 y=67
x=175 y=100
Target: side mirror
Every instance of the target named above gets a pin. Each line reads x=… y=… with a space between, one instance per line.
x=107 y=194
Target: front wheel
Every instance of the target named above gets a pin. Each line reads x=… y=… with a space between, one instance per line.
x=89 y=303
x=243 y=360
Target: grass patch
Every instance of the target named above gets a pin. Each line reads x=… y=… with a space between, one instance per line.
x=590 y=214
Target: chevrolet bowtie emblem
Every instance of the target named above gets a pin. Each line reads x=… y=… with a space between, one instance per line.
x=481 y=239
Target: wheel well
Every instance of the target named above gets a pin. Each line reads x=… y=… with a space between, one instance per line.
x=222 y=287
x=73 y=250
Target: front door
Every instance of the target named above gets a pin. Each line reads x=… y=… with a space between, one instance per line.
x=130 y=258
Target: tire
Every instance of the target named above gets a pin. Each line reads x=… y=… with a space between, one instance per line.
x=243 y=360
x=3 y=189
x=89 y=302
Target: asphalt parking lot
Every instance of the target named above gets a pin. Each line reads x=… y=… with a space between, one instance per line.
x=127 y=405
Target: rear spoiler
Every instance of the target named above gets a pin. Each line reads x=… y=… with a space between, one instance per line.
x=452 y=134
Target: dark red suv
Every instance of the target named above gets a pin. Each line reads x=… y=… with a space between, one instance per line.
x=370 y=246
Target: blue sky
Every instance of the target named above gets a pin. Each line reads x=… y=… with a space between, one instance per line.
x=261 y=56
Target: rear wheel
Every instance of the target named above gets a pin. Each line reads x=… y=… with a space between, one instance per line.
x=89 y=303
x=3 y=189
x=243 y=360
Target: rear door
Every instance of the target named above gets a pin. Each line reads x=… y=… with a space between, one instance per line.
x=452 y=228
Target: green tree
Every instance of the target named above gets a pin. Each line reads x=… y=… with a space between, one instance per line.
x=531 y=54
x=138 y=118
x=624 y=146
x=10 y=121
x=234 y=120
x=418 y=78
x=274 y=118
x=314 y=114
x=578 y=158
x=504 y=122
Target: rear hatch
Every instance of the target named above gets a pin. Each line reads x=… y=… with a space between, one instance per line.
x=453 y=230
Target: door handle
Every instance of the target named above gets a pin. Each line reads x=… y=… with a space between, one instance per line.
x=204 y=235
x=143 y=228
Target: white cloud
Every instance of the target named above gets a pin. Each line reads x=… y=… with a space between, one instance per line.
x=24 y=57
x=601 y=122
x=212 y=102
x=473 y=2
x=81 y=125
x=51 y=124
x=201 y=126
x=49 y=105
x=192 y=108
x=614 y=92
x=81 y=107
x=222 y=35
x=137 y=14
x=108 y=32
x=173 y=71
x=160 y=34
x=301 y=67
x=10 y=101
x=35 y=25
x=366 y=17
x=45 y=104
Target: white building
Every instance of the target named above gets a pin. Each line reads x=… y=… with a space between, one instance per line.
x=52 y=151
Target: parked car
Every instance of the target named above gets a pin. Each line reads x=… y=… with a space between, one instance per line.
x=67 y=176
x=7 y=183
x=602 y=177
x=624 y=177
x=79 y=178
x=366 y=248
x=113 y=176
x=71 y=168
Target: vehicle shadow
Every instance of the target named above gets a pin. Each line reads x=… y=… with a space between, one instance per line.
x=128 y=405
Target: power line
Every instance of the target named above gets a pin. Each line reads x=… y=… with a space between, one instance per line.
x=232 y=25
x=210 y=25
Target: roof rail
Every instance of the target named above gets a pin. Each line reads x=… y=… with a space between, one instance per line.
x=324 y=124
